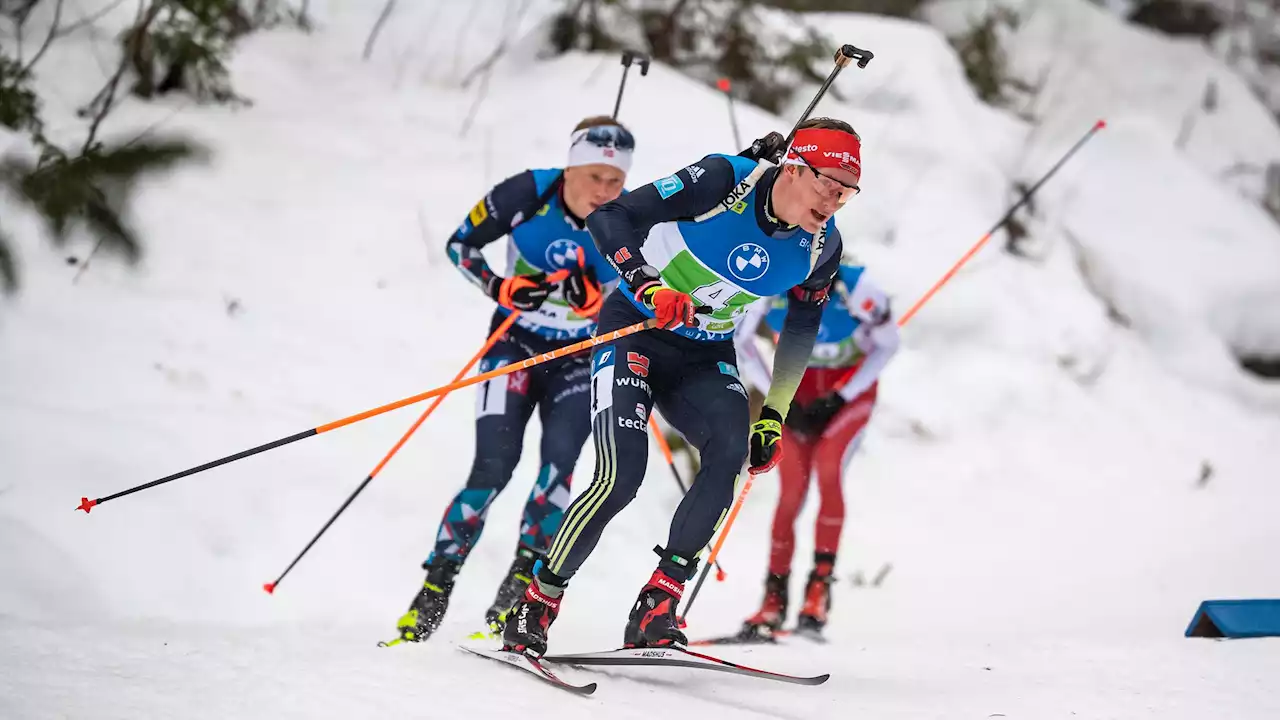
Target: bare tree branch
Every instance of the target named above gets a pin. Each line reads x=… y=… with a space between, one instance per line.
x=84 y=266
x=485 y=70
x=107 y=96
x=105 y=99
x=377 y=27
x=53 y=32
x=89 y=20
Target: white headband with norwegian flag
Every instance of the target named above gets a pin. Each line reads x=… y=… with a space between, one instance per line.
x=584 y=152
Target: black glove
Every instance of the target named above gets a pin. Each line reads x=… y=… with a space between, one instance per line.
x=766 y=441
x=798 y=419
x=770 y=147
x=821 y=411
x=522 y=292
x=582 y=291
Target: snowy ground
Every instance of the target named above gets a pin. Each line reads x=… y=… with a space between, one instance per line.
x=164 y=670
x=1032 y=474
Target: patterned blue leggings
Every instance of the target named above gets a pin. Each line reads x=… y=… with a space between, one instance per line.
x=504 y=405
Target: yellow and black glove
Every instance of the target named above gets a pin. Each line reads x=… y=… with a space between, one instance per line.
x=766 y=441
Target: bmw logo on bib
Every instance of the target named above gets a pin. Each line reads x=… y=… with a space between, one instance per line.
x=748 y=261
x=562 y=253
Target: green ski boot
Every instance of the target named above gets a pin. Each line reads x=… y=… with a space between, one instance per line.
x=428 y=607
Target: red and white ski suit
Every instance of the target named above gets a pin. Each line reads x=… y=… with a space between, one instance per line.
x=843 y=369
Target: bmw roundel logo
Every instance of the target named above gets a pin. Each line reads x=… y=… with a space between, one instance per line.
x=562 y=253
x=748 y=261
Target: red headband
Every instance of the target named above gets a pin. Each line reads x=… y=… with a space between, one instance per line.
x=827 y=148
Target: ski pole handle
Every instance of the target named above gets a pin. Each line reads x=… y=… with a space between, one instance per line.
x=639 y=58
x=629 y=57
x=849 y=53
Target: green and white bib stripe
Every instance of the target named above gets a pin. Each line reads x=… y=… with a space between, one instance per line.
x=726 y=261
x=666 y=249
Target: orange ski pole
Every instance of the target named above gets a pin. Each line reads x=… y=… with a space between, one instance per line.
x=715 y=548
x=675 y=472
x=86 y=504
x=1026 y=196
x=493 y=339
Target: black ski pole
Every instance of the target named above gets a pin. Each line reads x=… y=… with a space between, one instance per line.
x=845 y=55
x=726 y=87
x=629 y=57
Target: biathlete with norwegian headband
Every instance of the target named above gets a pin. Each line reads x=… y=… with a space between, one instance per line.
x=556 y=280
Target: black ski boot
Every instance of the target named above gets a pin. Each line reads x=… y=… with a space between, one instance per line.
x=817 y=597
x=427 y=609
x=653 y=620
x=531 y=618
x=512 y=588
x=772 y=613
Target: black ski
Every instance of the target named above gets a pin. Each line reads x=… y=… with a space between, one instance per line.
x=749 y=637
x=810 y=634
x=532 y=666
x=763 y=637
x=674 y=656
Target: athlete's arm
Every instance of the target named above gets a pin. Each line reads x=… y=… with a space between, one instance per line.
x=800 y=329
x=619 y=227
x=885 y=338
x=491 y=218
x=870 y=305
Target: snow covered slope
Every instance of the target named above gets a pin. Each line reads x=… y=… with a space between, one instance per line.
x=1169 y=228
x=1031 y=475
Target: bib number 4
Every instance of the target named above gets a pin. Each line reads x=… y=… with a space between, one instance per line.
x=726 y=303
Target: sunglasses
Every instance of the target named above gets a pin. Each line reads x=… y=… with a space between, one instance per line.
x=609 y=136
x=832 y=187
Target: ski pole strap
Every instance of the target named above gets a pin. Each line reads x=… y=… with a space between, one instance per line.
x=816 y=247
x=541 y=202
